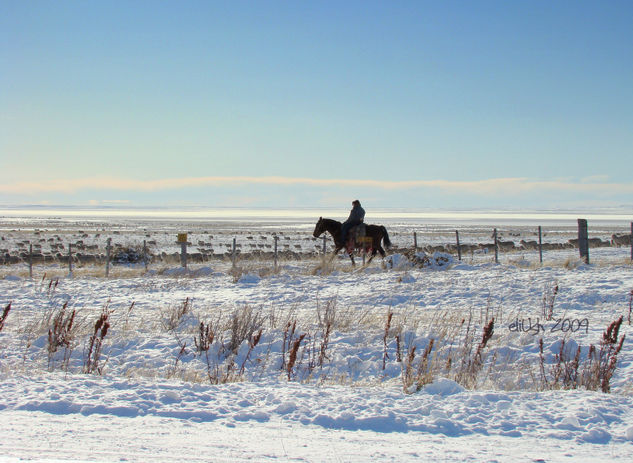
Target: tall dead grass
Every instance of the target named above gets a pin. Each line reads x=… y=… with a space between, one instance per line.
x=5 y=315
x=62 y=335
x=592 y=369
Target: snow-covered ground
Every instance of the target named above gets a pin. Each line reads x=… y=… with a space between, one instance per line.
x=51 y=236
x=390 y=362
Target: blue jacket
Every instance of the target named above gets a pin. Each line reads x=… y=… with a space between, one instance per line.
x=356 y=216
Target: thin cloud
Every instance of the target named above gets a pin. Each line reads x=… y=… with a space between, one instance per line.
x=505 y=186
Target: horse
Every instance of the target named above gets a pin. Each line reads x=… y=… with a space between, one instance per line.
x=374 y=234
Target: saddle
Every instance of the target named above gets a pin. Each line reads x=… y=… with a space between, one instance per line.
x=357 y=238
x=357 y=231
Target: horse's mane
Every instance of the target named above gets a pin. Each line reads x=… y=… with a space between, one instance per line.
x=331 y=221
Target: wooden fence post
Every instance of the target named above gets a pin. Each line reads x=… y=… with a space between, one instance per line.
x=459 y=248
x=324 y=244
x=182 y=240
x=583 y=240
x=145 y=254
x=276 y=238
x=540 y=245
x=496 y=246
x=145 y=257
x=415 y=242
x=108 y=248
x=183 y=254
x=233 y=252
x=70 y=258
x=30 y=260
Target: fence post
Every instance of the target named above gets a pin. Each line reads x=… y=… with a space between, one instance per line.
x=108 y=248
x=276 y=238
x=415 y=241
x=233 y=252
x=496 y=246
x=31 y=260
x=540 y=245
x=145 y=254
x=324 y=244
x=183 y=254
x=583 y=240
x=459 y=248
x=70 y=258
x=181 y=238
x=631 y=240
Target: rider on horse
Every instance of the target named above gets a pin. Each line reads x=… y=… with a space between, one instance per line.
x=356 y=217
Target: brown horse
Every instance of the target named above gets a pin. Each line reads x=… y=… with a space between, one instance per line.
x=374 y=234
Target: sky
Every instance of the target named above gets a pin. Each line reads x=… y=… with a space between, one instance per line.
x=410 y=105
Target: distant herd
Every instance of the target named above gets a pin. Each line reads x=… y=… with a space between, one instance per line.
x=523 y=245
x=90 y=254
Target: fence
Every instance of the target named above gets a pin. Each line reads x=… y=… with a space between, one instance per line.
x=583 y=243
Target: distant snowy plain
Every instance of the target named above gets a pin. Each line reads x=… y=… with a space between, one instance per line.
x=158 y=397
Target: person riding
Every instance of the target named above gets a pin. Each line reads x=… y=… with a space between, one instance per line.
x=356 y=217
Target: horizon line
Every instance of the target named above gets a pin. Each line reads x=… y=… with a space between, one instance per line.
x=237 y=213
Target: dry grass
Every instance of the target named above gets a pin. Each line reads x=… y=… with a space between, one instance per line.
x=592 y=371
x=245 y=321
x=172 y=317
x=423 y=344
x=92 y=357
x=549 y=297
x=5 y=314
x=62 y=334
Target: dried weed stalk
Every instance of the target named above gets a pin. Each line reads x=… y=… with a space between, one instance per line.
x=128 y=313
x=95 y=344
x=326 y=323
x=290 y=348
x=549 y=297
x=61 y=334
x=415 y=377
x=203 y=342
x=52 y=285
x=472 y=363
x=5 y=314
x=385 y=354
x=610 y=347
x=252 y=343
x=244 y=323
x=292 y=355
x=173 y=316
x=570 y=371
x=182 y=351
x=289 y=332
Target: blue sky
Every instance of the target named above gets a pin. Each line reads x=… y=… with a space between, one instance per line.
x=408 y=105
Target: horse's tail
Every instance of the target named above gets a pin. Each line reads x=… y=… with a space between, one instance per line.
x=385 y=237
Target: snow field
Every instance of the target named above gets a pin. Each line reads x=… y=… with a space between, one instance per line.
x=349 y=407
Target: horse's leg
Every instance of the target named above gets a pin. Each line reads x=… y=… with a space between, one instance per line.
x=335 y=253
x=375 y=247
x=382 y=251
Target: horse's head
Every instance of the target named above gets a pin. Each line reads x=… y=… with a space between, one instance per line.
x=319 y=228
